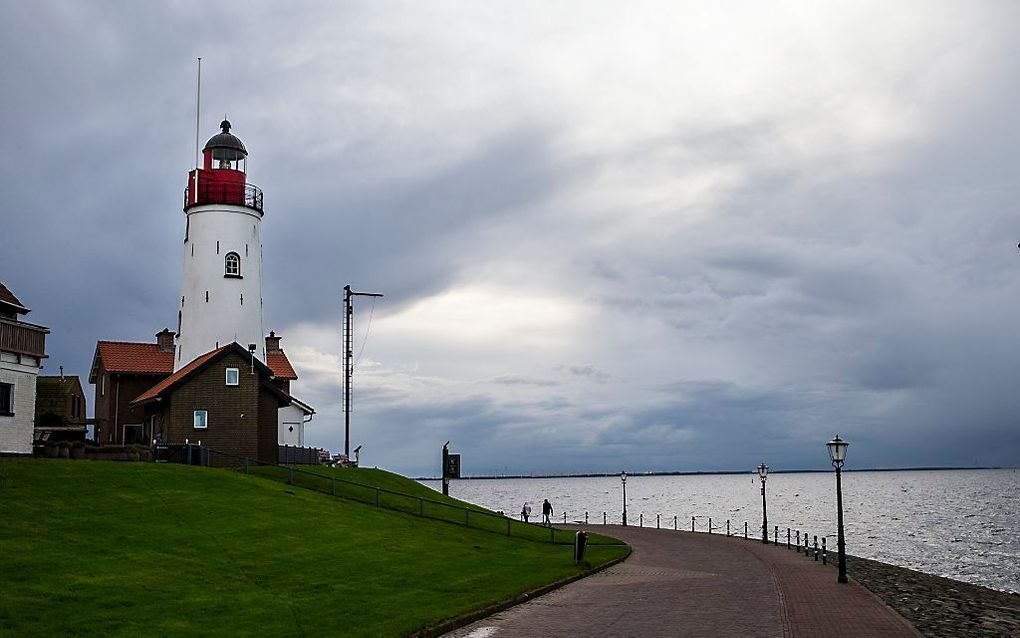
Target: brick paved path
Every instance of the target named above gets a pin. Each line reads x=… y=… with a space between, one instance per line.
x=694 y=584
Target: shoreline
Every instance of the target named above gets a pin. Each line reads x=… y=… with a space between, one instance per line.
x=487 y=477
x=938 y=606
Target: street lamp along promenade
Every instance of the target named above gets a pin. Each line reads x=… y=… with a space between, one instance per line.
x=837 y=454
x=623 y=480
x=763 y=472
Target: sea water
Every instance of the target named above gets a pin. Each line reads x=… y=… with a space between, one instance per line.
x=963 y=524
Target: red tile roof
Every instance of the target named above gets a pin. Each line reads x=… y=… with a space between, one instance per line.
x=7 y=297
x=280 y=365
x=155 y=390
x=137 y=358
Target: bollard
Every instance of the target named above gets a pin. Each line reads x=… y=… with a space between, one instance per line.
x=787 y=538
x=564 y=518
x=825 y=554
x=709 y=524
x=798 y=541
x=641 y=519
x=776 y=541
x=674 y=522
x=745 y=529
x=816 y=549
x=603 y=518
x=807 y=547
x=585 y=517
x=692 y=523
x=657 y=521
x=727 y=527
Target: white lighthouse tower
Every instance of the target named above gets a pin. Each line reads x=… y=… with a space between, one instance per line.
x=221 y=295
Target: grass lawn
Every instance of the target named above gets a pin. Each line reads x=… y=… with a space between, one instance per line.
x=93 y=548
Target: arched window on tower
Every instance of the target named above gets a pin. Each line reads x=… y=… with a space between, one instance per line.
x=232 y=265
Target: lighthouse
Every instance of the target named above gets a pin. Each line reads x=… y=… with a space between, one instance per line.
x=221 y=292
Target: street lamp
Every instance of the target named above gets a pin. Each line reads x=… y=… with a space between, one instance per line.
x=837 y=454
x=763 y=472
x=623 y=480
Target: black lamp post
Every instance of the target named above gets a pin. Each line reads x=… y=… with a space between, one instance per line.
x=837 y=454
x=763 y=472
x=623 y=480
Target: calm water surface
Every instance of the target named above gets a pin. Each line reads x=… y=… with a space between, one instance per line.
x=964 y=524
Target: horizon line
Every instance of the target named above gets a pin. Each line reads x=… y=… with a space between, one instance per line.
x=485 y=477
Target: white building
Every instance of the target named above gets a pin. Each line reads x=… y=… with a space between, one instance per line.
x=22 y=349
x=221 y=292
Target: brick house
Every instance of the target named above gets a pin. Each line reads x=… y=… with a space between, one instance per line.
x=22 y=350
x=225 y=398
x=59 y=408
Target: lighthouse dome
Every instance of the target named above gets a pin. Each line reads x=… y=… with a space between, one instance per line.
x=225 y=146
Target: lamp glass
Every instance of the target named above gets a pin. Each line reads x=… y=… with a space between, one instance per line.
x=623 y=476
x=763 y=470
x=837 y=449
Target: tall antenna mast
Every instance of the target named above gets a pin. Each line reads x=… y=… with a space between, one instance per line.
x=198 y=111
x=348 y=354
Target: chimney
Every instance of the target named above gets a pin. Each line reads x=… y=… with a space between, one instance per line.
x=165 y=340
x=273 y=344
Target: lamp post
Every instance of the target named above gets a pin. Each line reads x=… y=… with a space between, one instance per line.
x=763 y=472
x=837 y=454
x=623 y=480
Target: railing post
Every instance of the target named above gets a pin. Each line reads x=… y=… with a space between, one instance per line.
x=776 y=539
x=816 y=549
x=709 y=524
x=604 y=518
x=807 y=548
x=692 y=523
x=332 y=486
x=585 y=517
x=641 y=519
x=564 y=518
x=798 y=541
x=657 y=520
x=745 y=529
x=674 y=522
x=727 y=527
x=825 y=554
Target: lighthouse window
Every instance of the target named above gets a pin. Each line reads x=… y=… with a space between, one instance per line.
x=232 y=265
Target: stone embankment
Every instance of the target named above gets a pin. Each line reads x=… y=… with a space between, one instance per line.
x=940 y=607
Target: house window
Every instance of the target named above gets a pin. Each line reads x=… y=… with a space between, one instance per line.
x=6 y=399
x=232 y=376
x=232 y=265
x=201 y=419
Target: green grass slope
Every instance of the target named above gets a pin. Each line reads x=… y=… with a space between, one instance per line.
x=93 y=548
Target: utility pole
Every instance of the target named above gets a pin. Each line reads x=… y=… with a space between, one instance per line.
x=348 y=354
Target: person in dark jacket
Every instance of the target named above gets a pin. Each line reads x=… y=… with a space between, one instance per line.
x=547 y=511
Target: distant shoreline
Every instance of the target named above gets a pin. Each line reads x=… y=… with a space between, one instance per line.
x=707 y=473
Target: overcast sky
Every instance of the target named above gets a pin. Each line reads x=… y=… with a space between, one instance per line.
x=642 y=236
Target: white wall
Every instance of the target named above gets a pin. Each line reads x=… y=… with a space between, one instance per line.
x=17 y=432
x=233 y=311
x=291 y=425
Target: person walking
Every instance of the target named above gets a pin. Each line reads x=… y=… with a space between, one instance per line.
x=547 y=511
x=525 y=512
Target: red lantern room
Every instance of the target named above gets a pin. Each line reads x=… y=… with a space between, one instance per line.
x=221 y=180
